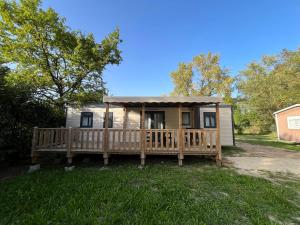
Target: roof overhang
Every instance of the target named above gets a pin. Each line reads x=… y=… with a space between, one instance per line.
x=170 y=101
x=287 y=108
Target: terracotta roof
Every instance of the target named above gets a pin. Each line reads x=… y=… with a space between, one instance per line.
x=194 y=99
x=287 y=108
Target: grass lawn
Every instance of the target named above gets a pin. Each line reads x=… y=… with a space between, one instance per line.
x=161 y=193
x=268 y=139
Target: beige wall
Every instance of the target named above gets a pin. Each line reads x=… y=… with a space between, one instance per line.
x=133 y=121
x=284 y=133
x=73 y=116
x=225 y=123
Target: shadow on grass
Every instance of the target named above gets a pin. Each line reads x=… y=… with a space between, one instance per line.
x=96 y=160
x=232 y=150
x=267 y=140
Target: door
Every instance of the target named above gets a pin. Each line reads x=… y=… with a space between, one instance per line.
x=154 y=120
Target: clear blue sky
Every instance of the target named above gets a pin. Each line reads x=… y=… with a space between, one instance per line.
x=158 y=34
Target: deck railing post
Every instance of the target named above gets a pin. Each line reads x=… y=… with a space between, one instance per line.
x=69 y=146
x=105 y=135
x=143 y=136
x=34 y=154
x=218 y=142
x=181 y=136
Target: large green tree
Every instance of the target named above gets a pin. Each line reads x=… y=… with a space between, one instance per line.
x=61 y=65
x=204 y=76
x=270 y=85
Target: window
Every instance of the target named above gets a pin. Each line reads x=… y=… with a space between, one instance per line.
x=209 y=120
x=86 y=119
x=293 y=122
x=110 y=120
x=186 y=118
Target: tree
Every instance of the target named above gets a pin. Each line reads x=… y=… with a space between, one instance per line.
x=20 y=111
x=182 y=78
x=270 y=85
x=203 y=77
x=61 y=65
x=211 y=78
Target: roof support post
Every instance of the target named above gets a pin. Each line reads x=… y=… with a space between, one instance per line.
x=105 y=135
x=193 y=117
x=69 y=147
x=143 y=136
x=180 y=136
x=125 y=116
x=218 y=142
x=34 y=154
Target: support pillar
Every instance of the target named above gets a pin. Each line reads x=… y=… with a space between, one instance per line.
x=181 y=137
x=125 y=116
x=105 y=135
x=34 y=154
x=69 y=149
x=218 y=142
x=143 y=136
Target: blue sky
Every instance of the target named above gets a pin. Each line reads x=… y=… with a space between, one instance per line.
x=157 y=35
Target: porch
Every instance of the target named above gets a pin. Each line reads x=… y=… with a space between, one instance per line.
x=107 y=141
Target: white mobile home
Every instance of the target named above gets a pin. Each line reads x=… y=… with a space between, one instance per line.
x=143 y=125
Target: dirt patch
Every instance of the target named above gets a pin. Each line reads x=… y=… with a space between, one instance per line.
x=256 y=158
x=266 y=151
x=284 y=165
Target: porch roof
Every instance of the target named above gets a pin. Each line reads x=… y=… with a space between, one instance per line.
x=161 y=100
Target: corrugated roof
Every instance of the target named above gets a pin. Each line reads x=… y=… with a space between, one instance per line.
x=287 y=108
x=194 y=99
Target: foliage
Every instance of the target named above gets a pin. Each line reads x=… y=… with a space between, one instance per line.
x=158 y=194
x=61 y=65
x=182 y=77
x=270 y=85
x=203 y=77
x=241 y=116
x=211 y=78
x=20 y=111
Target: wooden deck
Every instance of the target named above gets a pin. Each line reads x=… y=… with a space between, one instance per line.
x=126 y=141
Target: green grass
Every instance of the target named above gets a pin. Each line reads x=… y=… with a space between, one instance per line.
x=268 y=140
x=231 y=150
x=161 y=193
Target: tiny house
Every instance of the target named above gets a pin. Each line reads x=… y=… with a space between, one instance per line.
x=141 y=126
x=288 y=123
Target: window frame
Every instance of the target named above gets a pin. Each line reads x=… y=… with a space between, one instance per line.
x=290 y=125
x=190 y=121
x=90 y=119
x=110 y=119
x=210 y=115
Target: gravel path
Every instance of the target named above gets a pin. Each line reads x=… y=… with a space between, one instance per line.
x=258 y=157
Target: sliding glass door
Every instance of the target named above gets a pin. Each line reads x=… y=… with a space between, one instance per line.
x=154 y=120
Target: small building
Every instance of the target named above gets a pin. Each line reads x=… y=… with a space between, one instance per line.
x=157 y=116
x=288 y=123
x=141 y=126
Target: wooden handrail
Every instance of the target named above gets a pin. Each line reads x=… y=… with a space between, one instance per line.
x=137 y=141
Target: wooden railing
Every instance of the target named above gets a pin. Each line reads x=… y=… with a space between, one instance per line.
x=161 y=140
x=196 y=139
x=84 y=139
x=154 y=141
x=122 y=141
x=50 y=138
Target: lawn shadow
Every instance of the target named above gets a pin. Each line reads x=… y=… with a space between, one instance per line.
x=232 y=151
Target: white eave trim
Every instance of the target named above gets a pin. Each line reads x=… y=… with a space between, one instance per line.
x=287 y=108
